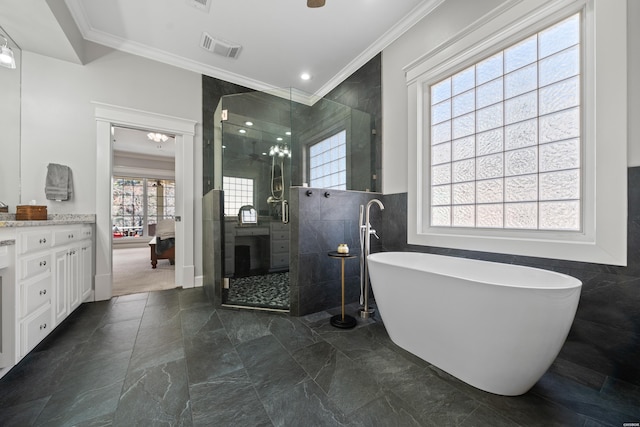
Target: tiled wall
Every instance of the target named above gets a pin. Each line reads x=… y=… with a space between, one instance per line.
x=604 y=341
x=363 y=91
x=212 y=254
x=318 y=225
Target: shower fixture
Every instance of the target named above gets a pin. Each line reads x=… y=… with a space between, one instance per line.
x=365 y=247
x=279 y=153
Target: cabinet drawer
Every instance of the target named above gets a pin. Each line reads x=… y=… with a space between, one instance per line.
x=35 y=265
x=67 y=235
x=252 y=231
x=5 y=259
x=86 y=232
x=279 y=226
x=280 y=235
x=34 y=241
x=280 y=246
x=279 y=260
x=35 y=294
x=35 y=329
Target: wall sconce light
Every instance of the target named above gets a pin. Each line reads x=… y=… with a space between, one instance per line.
x=6 y=55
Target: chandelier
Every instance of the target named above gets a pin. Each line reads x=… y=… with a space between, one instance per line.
x=279 y=150
x=157 y=137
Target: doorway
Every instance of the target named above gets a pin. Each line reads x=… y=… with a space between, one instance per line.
x=107 y=117
x=143 y=197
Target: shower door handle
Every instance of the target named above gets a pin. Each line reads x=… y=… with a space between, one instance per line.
x=285 y=212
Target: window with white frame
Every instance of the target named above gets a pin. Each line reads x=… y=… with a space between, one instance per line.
x=555 y=165
x=138 y=203
x=506 y=137
x=328 y=162
x=238 y=192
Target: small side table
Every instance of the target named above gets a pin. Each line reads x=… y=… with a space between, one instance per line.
x=342 y=321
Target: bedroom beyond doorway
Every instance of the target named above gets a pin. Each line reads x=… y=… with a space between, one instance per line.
x=132 y=272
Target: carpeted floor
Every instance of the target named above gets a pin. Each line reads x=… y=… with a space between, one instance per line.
x=132 y=272
x=268 y=291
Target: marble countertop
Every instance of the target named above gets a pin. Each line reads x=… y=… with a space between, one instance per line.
x=9 y=220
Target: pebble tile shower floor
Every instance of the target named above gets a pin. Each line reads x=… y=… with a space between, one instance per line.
x=170 y=358
x=267 y=290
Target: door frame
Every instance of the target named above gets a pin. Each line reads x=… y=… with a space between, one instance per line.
x=184 y=130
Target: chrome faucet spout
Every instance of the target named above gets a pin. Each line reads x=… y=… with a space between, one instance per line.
x=378 y=202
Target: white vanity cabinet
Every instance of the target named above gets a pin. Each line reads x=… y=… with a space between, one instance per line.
x=46 y=272
x=55 y=276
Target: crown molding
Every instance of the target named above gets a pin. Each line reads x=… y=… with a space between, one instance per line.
x=138 y=49
x=412 y=18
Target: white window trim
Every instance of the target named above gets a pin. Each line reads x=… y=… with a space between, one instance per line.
x=604 y=200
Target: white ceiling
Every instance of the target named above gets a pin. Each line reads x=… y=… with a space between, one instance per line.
x=280 y=39
x=134 y=141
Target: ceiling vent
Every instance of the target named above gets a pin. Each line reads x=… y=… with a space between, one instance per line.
x=219 y=47
x=203 y=5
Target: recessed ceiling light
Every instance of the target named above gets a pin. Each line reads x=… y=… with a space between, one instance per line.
x=248 y=123
x=288 y=133
x=242 y=131
x=305 y=76
x=279 y=138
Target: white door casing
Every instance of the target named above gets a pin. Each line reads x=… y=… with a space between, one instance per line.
x=184 y=131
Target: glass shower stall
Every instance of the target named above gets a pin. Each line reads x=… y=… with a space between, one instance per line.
x=263 y=144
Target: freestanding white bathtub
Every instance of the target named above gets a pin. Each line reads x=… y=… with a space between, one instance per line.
x=497 y=327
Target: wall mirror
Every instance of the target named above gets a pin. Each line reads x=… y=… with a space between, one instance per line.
x=10 y=79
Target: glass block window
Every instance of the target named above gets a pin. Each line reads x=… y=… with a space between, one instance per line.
x=506 y=137
x=238 y=192
x=328 y=162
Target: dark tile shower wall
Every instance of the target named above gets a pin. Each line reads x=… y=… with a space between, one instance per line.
x=315 y=278
x=363 y=91
x=318 y=225
x=604 y=341
x=212 y=256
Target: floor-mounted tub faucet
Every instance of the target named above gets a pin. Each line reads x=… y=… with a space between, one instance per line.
x=365 y=247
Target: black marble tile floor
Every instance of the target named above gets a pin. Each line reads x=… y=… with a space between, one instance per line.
x=169 y=358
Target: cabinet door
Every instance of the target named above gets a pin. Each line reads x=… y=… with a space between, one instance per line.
x=61 y=300
x=73 y=278
x=86 y=278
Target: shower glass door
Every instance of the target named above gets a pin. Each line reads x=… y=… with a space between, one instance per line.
x=255 y=176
